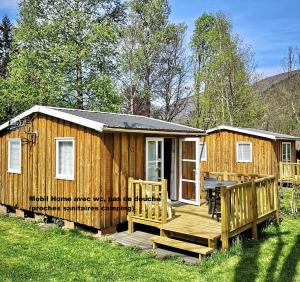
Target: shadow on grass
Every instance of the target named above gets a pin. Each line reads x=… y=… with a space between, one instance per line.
x=276 y=254
x=289 y=268
x=248 y=267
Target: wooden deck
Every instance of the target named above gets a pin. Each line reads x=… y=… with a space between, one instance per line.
x=191 y=225
x=252 y=200
x=195 y=222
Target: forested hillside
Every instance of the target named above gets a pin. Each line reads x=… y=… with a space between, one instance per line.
x=280 y=95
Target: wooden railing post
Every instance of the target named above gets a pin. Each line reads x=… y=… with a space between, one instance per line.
x=276 y=198
x=164 y=202
x=280 y=171
x=225 y=218
x=202 y=192
x=131 y=204
x=254 y=211
x=225 y=176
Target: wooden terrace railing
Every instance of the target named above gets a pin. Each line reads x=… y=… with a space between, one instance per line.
x=289 y=172
x=239 y=177
x=150 y=212
x=246 y=204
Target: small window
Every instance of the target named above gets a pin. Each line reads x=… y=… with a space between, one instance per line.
x=244 y=152
x=14 y=155
x=203 y=151
x=286 y=152
x=65 y=158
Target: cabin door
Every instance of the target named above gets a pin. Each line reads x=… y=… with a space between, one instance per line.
x=189 y=171
x=154 y=159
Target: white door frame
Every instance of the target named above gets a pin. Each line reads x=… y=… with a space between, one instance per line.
x=174 y=160
x=197 y=172
x=156 y=139
x=282 y=145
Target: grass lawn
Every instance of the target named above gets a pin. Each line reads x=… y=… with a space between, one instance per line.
x=29 y=253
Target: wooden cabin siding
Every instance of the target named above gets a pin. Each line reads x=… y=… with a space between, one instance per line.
x=103 y=163
x=221 y=154
x=279 y=150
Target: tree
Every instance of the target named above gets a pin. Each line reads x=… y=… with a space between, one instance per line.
x=291 y=89
x=222 y=75
x=281 y=95
x=143 y=39
x=66 y=54
x=171 y=91
x=5 y=45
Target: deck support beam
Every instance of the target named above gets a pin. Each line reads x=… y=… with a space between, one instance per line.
x=276 y=199
x=39 y=217
x=213 y=243
x=254 y=211
x=69 y=224
x=107 y=231
x=20 y=213
x=163 y=233
x=225 y=211
x=130 y=226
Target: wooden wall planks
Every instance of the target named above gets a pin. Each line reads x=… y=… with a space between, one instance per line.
x=221 y=153
x=103 y=163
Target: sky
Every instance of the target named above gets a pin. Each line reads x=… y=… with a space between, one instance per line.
x=268 y=26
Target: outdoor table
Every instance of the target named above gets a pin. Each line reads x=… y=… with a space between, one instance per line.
x=210 y=186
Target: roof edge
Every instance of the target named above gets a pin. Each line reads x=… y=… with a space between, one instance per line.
x=57 y=114
x=240 y=130
x=246 y=131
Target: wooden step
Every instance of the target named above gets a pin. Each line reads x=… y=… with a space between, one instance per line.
x=194 y=248
x=205 y=232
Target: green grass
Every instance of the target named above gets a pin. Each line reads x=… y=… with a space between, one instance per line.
x=29 y=253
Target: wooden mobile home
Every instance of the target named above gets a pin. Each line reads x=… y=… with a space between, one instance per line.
x=246 y=150
x=103 y=169
x=50 y=155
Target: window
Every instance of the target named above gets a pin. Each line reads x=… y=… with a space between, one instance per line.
x=65 y=158
x=244 y=152
x=14 y=155
x=286 y=152
x=203 y=151
x=154 y=159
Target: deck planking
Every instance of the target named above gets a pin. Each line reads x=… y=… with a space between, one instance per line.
x=194 y=221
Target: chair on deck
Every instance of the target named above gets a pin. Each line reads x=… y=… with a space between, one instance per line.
x=216 y=203
x=209 y=178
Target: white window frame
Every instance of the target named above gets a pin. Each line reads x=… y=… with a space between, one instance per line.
x=285 y=143
x=155 y=139
x=57 y=141
x=237 y=151
x=202 y=159
x=13 y=170
x=197 y=172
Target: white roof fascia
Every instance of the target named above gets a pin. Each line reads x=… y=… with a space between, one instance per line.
x=241 y=130
x=57 y=114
